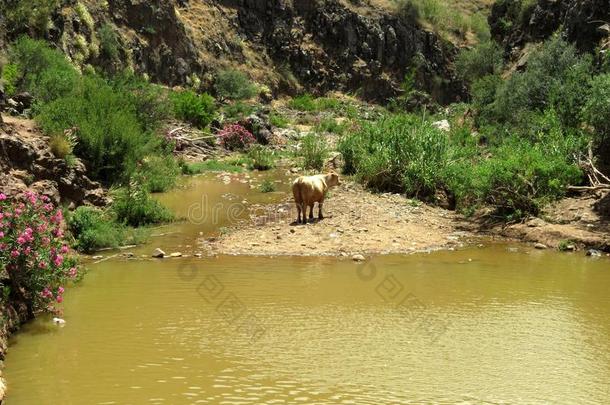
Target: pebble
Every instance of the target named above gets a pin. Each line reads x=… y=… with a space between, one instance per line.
x=158 y=254
x=540 y=246
x=97 y=257
x=175 y=254
x=594 y=253
x=358 y=258
x=292 y=231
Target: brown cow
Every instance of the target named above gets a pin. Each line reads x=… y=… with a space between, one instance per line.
x=308 y=190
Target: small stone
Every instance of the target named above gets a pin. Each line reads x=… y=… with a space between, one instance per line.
x=358 y=258
x=292 y=231
x=594 y=253
x=59 y=321
x=278 y=237
x=198 y=255
x=158 y=254
x=97 y=257
x=540 y=246
x=175 y=254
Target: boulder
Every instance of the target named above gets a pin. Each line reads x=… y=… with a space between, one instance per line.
x=158 y=254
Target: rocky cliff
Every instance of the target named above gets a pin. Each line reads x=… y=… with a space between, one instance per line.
x=584 y=22
x=288 y=45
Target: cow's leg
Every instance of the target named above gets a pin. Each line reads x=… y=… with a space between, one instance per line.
x=299 y=209
x=311 y=211
x=320 y=215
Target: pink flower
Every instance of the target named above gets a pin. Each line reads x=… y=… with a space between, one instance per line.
x=60 y=290
x=18 y=211
x=1 y=234
x=46 y=293
x=44 y=198
x=2 y=196
x=58 y=233
x=64 y=249
x=27 y=251
x=21 y=240
x=42 y=265
x=60 y=299
x=41 y=228
x=72 y=272
x=59 y=259
x=46 y=241
x=32 y=197
x=15 y=253
x=48 y=207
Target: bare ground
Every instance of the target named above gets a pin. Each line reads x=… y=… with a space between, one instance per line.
x=356 y=222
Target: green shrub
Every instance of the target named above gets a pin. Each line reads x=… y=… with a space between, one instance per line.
x=93 y=229
x=234 y=85
x=267 y=186
x=262 y=158
x=111 y=139
x=238 y=110
x=555 y=75
x=198 y=109
x=190 y=168
x=400 y=153
x=28 y=16
x=158 y=173
x=44 y=72
x=60 y=146
x=314 y=151
x=134 y=206
x=109 y=41
x=304 y=102
x=278 y=120
x=596 y=110
x=331 y=125
x=10 y=76
x=484 y=59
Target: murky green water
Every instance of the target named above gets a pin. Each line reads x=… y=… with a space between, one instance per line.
x=480 y=325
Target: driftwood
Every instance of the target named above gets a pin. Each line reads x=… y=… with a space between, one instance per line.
x=191 y=141
x=597 y=180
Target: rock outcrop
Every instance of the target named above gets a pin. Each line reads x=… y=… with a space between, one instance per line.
x=26 y=162
x=584 y=22
x=288 y=45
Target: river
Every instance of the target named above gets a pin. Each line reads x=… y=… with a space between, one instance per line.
x=499 y=324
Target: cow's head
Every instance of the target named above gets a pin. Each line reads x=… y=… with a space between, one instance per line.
x=332 y=179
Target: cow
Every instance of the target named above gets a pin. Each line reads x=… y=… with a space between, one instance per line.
x=308 y=190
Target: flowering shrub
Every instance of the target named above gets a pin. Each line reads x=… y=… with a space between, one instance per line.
x=235 y=137
x=33 y=252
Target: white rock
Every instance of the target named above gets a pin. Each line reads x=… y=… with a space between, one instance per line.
x=358 y=258
x=443 y=125
x=175 y=254
x=59 y=321
x=540 y=246
x=158 y=254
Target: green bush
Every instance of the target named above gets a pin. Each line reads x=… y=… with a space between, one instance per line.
x=158 y=173
x=314 y=151
x=191 y=168
x=134 y=206
x=60 y=146
x=28 y=16
x=267 y=186
x=262 y=158
x=93 y=229
x=111 y=139
x=484 y=59
x=555 y=76
x=198 y=109
x=401 y=153
x=10 y=76
x=331 y=125
x=278 y=120
x=238 y=110
x=234 y=85
x=44 y=72
x=109 y=41
x=303 y=102
x=596 y=111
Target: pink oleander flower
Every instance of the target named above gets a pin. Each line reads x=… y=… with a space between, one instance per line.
x=58 y=260
x=60 y=299
x=27 y=251
x=64 y=249
x=21 y=240
x=60 y=290
x=41 y=228
x=1 y=234
x=18 y=212
x=46 y=293
x=2 y=196
x=48 y=207
x=42 y=265
x=72 y=272
x=58 y=233
x=44 y=198
x=45 y=241
x=15 y=253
